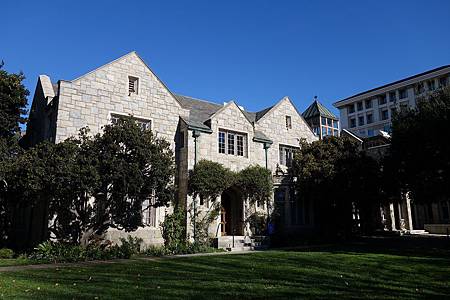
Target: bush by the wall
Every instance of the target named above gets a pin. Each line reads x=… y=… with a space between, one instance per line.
x=174 y=231
x=6 y=253
x=62 y=252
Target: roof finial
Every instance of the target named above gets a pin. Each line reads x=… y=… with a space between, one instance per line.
x=315 y=98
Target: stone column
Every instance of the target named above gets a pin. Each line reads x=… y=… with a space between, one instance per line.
x=406 y=212
x=392 y=216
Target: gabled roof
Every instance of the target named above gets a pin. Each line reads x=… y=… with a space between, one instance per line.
x=201 y=110
x=140 y=59
x=318 y=109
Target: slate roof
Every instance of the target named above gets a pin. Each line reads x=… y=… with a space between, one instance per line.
x=318 y=109
x=201 y=110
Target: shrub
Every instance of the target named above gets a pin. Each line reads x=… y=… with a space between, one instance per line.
x=128 y=247
x=156 y=251
x=186 y=248
x=174 y=231
x=64 y=252
x=6 y=253
x=257 y=222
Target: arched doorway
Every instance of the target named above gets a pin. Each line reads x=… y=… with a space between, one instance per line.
x=232 y=213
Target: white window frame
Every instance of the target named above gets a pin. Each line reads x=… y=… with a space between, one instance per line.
x=232 y=151
x=136 y=118
x=281 y=154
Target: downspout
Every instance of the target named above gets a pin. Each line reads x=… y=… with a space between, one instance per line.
x=195 y=135
x=266 y=147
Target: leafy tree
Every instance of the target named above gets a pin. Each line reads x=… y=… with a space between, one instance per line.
x=420 y=151
x=255 y=183
x=89 y=184
x=209 y=179
x=134 y=165
x=13 y=100
x=24 y=187
x=338 y=179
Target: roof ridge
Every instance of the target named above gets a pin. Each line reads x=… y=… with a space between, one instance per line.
x=197 y=99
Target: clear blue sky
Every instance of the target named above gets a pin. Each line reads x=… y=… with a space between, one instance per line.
x=254 y=52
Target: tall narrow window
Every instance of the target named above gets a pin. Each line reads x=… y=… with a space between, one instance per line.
x=221 y=142
x=149 y=211
x=384 y=114
x=288 y=122
x=286 y=155
x=392 y=96
x=133 y=83
x=231 y=143
x=240 y=145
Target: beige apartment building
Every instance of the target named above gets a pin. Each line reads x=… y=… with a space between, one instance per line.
x=366 y=113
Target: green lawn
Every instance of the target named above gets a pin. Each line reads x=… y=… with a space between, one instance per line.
x=356 y=272
x=4 y=262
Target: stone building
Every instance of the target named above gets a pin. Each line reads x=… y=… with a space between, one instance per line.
x=197 y=129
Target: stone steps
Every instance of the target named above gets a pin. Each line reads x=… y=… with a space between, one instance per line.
x=241 y=243
x=419 y=232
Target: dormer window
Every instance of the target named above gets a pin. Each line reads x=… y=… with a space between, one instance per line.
x=288 y=122
x=133 y=85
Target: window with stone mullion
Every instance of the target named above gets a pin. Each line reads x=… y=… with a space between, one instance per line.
x=231 y=143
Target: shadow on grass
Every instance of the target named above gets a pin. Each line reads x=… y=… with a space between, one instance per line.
x=352 y=271
x=417 y=246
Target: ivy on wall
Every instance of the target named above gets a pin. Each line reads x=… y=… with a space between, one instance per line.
x=208 y=180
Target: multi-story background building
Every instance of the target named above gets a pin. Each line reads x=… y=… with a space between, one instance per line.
x=366 y=113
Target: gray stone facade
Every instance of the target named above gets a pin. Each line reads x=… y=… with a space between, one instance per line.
x=60 y=110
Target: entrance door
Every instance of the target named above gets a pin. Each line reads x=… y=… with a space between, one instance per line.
x=231 y=213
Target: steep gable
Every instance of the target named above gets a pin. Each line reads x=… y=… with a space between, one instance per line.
x=273 y=123
x=127 y=63
x=234 y=109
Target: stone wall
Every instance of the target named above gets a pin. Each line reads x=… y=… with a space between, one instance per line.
x=273 y=124
x=91 y=99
